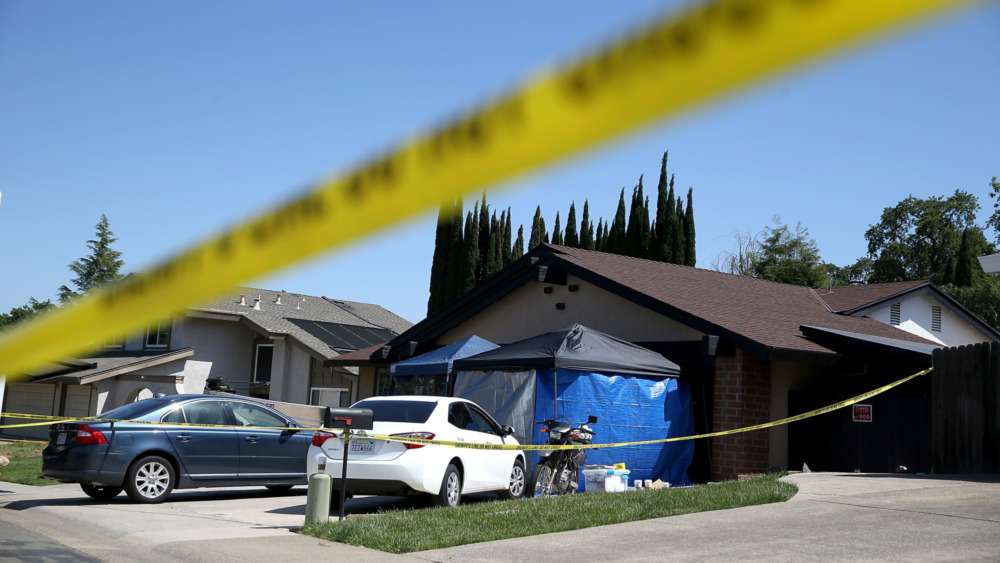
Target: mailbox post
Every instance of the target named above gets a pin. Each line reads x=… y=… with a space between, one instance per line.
x=347 y=420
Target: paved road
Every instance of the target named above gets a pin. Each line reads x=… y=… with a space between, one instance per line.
x=835 y=517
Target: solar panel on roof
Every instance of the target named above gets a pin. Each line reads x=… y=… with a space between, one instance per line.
x=344 y=337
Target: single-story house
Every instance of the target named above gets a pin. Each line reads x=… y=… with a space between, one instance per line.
x=755 y=350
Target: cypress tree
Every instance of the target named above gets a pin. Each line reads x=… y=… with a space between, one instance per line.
x=453 y=274
x=633 y=231
x=490 y=265
x=484 y=239
x=599 y=242
x=690 y=255
x=615 y=240
x=471 y=260
x=646 y=248
x=679 y=245
x=439 y=262
x=517 y=250
x=557 y=232
x=663 y=201
x=586 y=229
x=572 y=239
x=669 y=246
x=506 y=240
x=536 y=229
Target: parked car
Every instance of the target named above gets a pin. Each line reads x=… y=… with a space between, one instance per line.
x=384 y=467
x=151 y=453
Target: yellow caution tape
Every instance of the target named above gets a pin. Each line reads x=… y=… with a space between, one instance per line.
x=678 y=61
x=484 y=446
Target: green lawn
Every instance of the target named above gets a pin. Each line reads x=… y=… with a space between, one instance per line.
x=25 y=463
x=434 y=528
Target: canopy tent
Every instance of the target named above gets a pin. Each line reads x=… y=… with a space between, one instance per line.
x=574 y=347
x=576 y=372
x=427 y=374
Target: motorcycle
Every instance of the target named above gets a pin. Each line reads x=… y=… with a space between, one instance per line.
x=558 y=472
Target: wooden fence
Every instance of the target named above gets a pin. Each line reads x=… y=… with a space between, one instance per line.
x=966 y=410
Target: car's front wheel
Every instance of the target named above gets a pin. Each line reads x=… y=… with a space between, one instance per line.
x=99 y=492
x=150 y=480
x=515 y=489
x=451 y=488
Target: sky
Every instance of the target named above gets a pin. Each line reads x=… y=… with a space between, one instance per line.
x=179 y=120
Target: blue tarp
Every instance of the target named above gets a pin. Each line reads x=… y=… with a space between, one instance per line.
x=629 y=408
x=439 y=362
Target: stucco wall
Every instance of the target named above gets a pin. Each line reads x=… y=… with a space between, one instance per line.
x=529 y=311
x=226 y=345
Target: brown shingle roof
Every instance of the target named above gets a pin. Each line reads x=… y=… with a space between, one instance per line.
x=745 y=309
x=844 y=298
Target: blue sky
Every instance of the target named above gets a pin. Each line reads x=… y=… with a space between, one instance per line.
x=180 y=119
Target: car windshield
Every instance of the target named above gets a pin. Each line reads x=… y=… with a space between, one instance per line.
x=398 y=411
x=133 y=410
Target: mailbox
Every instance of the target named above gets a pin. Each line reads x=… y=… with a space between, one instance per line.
x=350 y=419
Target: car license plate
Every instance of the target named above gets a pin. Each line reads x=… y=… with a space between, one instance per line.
x=61 y=439
x=362 y=447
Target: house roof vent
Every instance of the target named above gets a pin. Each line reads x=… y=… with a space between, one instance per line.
x=277 y=299
x=243 y=299
x=256 y=303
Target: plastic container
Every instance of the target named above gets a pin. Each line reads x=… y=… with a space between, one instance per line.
x=606 y=480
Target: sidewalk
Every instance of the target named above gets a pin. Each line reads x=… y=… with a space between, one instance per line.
x=834 y=517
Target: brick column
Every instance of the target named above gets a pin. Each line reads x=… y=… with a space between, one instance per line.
x=742 y=398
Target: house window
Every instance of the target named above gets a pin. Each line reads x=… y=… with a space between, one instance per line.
x=262 y=364
x=115 y=342
x=329 y=397
x=158 y=333
x=894 y=314
x=936 y=318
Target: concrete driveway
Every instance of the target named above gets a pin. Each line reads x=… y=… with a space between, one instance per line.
x=835 y=517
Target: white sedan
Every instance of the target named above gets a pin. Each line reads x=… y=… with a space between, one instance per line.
x=384 y=467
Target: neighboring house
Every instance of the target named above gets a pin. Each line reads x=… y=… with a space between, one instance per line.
x=756 y=350
x=262 y=343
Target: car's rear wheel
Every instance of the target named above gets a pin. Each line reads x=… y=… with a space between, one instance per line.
x=515 y=489
x=150 y=480
x=451 y=488
x=100 y=492
x=280 y=489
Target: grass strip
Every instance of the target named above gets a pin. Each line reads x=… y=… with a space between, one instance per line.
x=25 y=463
x=419 y=530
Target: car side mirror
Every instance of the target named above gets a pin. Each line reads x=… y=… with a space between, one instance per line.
x=507 y=430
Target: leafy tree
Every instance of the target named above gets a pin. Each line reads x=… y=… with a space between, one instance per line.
x=743 y=260
x=101 y=267
x=788 y=256
x=25 y=312
x=994 y=221
x=920 y=238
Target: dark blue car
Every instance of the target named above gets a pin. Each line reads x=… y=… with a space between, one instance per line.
x=247 y=443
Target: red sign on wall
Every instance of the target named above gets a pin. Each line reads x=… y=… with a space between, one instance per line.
x=862 y=413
